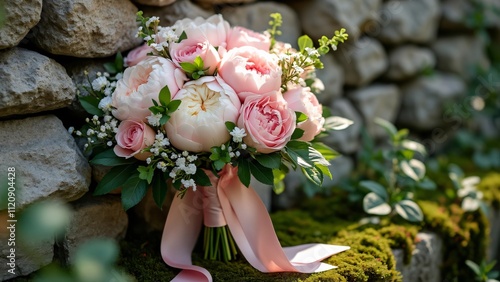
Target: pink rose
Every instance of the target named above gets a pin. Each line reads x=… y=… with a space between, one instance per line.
x=214 y=29
x=137 y=54
x=303 y=100
x=240 y=36
x=141 y=84
x=131 y=138
x=199 y=122
x=268 y=121
x=250 y=71
x=188 y=49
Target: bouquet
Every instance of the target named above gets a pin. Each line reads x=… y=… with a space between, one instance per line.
x=203 y=106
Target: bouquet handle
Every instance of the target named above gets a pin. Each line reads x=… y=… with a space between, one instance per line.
x=251 y=227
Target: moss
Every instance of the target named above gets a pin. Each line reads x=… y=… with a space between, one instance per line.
x=464 y=236
x=490 y=186
x=401 y=237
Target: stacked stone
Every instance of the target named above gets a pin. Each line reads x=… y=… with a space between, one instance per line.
x=382 y=71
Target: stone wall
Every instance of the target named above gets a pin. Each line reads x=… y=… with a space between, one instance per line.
x=382 y=71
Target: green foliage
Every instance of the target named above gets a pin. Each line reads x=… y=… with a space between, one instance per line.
x=484 y=272
x=490 y=186
x=275 y=23
x=195 y=69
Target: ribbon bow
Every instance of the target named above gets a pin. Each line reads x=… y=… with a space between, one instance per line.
x=250 y=225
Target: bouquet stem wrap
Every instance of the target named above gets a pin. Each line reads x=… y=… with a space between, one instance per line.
x=250 y=225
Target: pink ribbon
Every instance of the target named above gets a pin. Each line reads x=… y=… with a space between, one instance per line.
x=250 y=225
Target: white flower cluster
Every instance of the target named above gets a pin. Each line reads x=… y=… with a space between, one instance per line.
x=98 y=131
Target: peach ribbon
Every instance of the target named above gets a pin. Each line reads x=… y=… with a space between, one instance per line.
x=250 y=225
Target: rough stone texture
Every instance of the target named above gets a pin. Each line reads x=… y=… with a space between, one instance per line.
x=332 y=76
x=409 y=21
x=321 y=17
x=374 y=101
x=424 y=99
x=27 y=260
x=409 y=60
x=158 y=3
x=48 y=163
x=211 y=3
x=95 y=217
x=32 y=83
x=456 y=14
x=346 y=141
x=86 y=28
x=178 y=10
x=460 y=54
x=425 y=262
x=362 y=61
x=20 y=17
x=256 y=17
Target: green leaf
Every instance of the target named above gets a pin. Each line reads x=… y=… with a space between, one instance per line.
x=299 y=153
x=164 y=119
x=91 y=105
x=182 y=37
x=219 y=164
x=300 y=117
x=188 y=67
x=374 y=204
x=269 y=160
x=313 y=174
x=261 y=173
x=201 y=178
x=327 y=152
x=164 y=96
x=133 y=190
x=316 y=157
x=413 y=146
x=414 y=169
x=297 y=133
x=173 y=105
x=279 y=184
x=325 y=170
x=375 y=188
x=427 y=184
x=244 y=171
x=109 y=158
x=159 y=188
x=389 y=127
x=409 y=210
x=304 y=42
x=115 y=178
x=474 y=267
x=230 y=126
x=119 y=62
x=337 y=123
x=111 y=68
x=100 y=251
x=146 y=173
x=198 y=62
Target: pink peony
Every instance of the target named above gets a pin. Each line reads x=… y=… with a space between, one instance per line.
x=240 y=36
x=199 y=122
x=250 y=71
x=301 y=99
x=268 y=121
x=188 y=49
x=141 y=84
x=137 y=54
x=131 y=138
x=214 y=29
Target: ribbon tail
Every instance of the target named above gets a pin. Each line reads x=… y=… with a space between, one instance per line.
x=253 y=231
x=180 y=234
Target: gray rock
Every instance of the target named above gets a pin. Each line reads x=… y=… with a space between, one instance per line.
x=256 y=17
x=86 y=28
x=425 y=261
x=95 y=217
x=345 y=141
x=362 y=61
x=180 y=9
x=322 y=17
x=27 y=260
x=332 y=76
x=424 y=100
x=19 y=17
x=409 y=21
x=409 y=60
x=211 y=3
x=32 y=83
x=454 y=14
x=47 y=161
x=156 y=3
x=374 y=101
x=460 y=54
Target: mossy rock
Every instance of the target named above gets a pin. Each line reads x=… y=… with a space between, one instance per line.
x=490 y=186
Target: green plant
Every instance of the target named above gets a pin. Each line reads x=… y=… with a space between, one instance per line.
x=396 y=175
x=483 y=271
x=466 y=189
